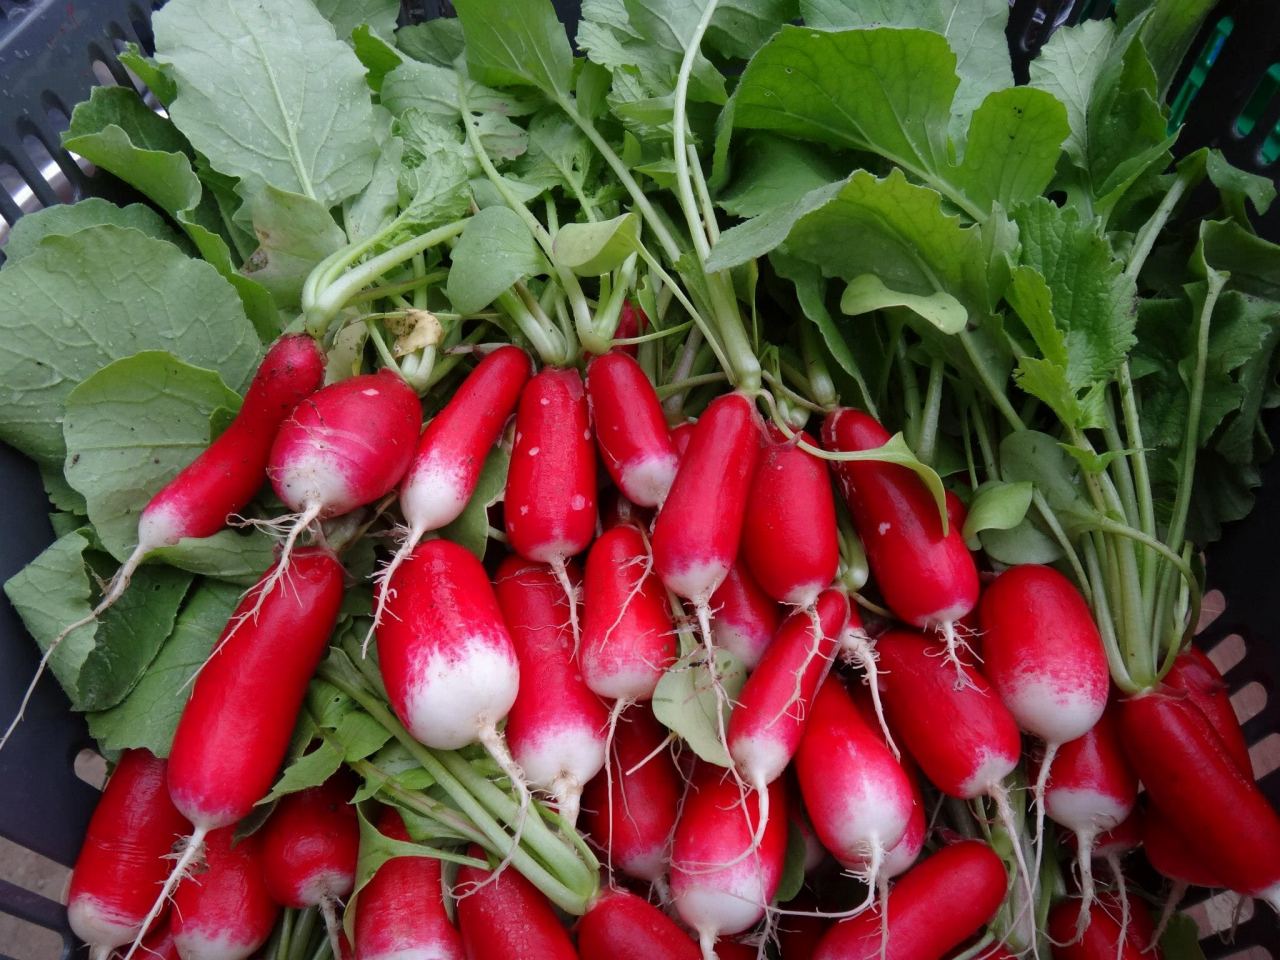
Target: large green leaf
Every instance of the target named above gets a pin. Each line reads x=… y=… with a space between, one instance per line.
x=346 y=15
x=269 y=94
x=67 y=218
x=103 y=293
x=517 y=42
x=294 y=234
x=495 y=250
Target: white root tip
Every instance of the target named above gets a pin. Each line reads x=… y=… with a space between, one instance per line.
x=1000 y=795
x=707 y=943
x=332 y=925
x=1037 y=801
x=863 y=654
x=382 y=580
x=561 y=571
x=567 y=792
x=1084 y=861
x=191 y=851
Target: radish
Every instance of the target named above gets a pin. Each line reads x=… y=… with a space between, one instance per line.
x=550 y=501
x=218 y=483
x=1194 y=673
x=123 y=858
x=224 y=913
x=744 y=618
x=401 y=913
x=1173 y=859
x=857 y=648
x=235 y=729
x=1218 y=811
x=967 y=877
x=722 y=877
x=309 y=849
x=789 y=537
x=774 y=705
x=452 y=451
x=503 y=916
x=630 y=811
x=556 y=728
x=1102 y=937
x=631 y=323
x=159 y=944
x=628 y=638
x=1044 y=657
x=446 y=657
x=927 y=578
x=681 y=434
x=1090 y=790
x=621 y=926
x=630 y=429
x=859 y=799
x=963 y=737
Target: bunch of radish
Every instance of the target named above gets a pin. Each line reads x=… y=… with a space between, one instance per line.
x=870 y=763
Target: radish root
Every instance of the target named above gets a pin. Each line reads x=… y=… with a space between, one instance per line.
x=382 y=581
x=1004 y=812
x=186 y=858
x=1037 y=801
x=860 y=651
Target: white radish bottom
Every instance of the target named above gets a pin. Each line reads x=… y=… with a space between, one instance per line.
x=452 y=696
x=221 y=944
x=646 y=480
x=431 y=952
x=98 y=925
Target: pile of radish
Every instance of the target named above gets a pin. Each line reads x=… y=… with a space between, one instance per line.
x=599 y=592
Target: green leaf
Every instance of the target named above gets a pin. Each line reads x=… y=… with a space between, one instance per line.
x=687 y=703
x=1015 y=139
x=378 y=56
x=495 y=250
x=1254 y=263
x=269 y=94
x=792 y=866
x=437 y=41
x=377 y=204
x=309 y=770
x=66 y=218
x=559 y=154
x=148 y=716
x=129 y=429
x=867 y=293
x=434 y=182
x=119 y=133
x=1234 y=184
x=153 y=75
x=1167 y=32
x=996 y=506
x=106 y=292
x=769 y=229
x=346 y=15
x=772 y=172
x=294 y=233
x=517 y=42
x=232 y=555
x=1025 y=543
x=1037 y=458
x=471 y=529
x=1181 y=939
x=592 y=249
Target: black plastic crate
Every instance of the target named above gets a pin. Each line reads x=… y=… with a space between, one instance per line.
x=53 y=52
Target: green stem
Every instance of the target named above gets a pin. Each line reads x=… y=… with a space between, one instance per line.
x=1060 y=535
x=655 y=335
x=815 y=365
x=780 y=386
x=685 y=302
x=1149 y=232
x=684 y=185
x=680 y=386
x=994 y=390
x=704 y=196
x=1106 y=627
x=912 y=412
x=537 y=328
x=924 y=447
x=380 y=345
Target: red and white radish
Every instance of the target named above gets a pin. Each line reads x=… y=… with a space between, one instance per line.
x=1191 y=777
x=789 y=537
x=225 y=913
x=550 y=502
x=556 y=727
x=927 y=577
x=857 y=648
x=502 y=916
x=1091 y=789
x=744 y=618
x=628 y=638
x=1195 y=674
x=1043 y=655
x=630 y=429
x=859 y=799
x=621 y=926
x=961 y=735
x=629 y=811
x=309 y=849
x=1102 y=937
x=219 y=482
x=451 y=451
x=124 y=855
x=967 y=877
x=681 y=434
x=235 y=729
x=401 y=914
x=722 y=877
x=775 y=704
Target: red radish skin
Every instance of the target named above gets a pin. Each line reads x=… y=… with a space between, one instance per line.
x=732 y=950
x=309 y=850
x=1194 y=673
x=159 y=944
x=550 y=501
x=859 y=798
x=744 y=618
x=681 y=434
x=621 y=926
x=698 y=529
x=1170 y=854
x=556 y=727
x=961 y=735
x=789 y=536
x=927 y=577
x=775 y=704
x=1225 y=820
x=225 y=913
x=1091 y=789
x=1103 y=938
x=505 y=916
x=628 y=638
x=401 y=914
x=218 y=483
x=124 y=856
x=452 y=450
x=903 y=855
x=967 y=877
x=630 y=810
x=630 y=429
x=235 y=729
x=722 y=876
